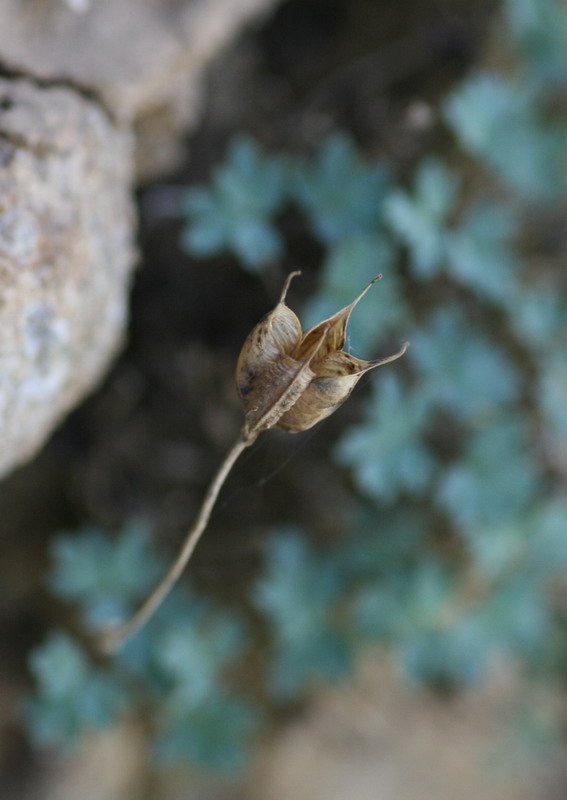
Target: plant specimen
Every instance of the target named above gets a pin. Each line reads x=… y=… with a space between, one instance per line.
x=285 y=379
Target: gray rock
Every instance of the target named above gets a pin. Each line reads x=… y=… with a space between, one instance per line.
x=66 y=253
x=92 y=94
x=144 y=58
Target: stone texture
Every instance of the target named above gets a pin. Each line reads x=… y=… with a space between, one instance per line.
x=66 y=224
x=93 y=94
x=144 y=58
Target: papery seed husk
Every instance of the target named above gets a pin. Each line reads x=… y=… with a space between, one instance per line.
x=335 y=327
x=276 y=335
x=318 y=401
x=278 y=389
x=335 y=377
x=293 y=381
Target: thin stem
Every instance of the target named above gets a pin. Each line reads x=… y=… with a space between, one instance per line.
x=112 y=639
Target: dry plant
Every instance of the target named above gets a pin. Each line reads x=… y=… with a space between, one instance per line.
x=286 y=379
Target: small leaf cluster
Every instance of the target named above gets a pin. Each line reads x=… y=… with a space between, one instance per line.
x=387 y=584
x=235 y=212
x=296 y=593
x=175 y=667
x=72 y=694
x=503 y=124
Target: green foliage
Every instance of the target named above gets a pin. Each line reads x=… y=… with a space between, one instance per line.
x=502 y=122
x=235 y=212
x=553 y=388
x=480 y=251
x=96 y=573
x=193 y=656
x=296 y=593
x=456 y=557
x=71 y=694
x=449 y=355
x=386 y=451
x=533 y=543
x=340 y=194
x=419 y=218
x=477 y=491
x=198 y=721
x=538 y=316
x=539 y=28
x=407 y=598
x=214 y=737
x=175 y=667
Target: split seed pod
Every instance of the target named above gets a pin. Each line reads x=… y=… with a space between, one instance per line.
x=287 y=379
x=292 y=380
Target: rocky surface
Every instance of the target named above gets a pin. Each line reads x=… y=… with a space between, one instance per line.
x=144 y=58
x=92 y=96
x=66 y=223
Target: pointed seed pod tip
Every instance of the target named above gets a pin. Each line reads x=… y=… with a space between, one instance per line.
x=292 y=380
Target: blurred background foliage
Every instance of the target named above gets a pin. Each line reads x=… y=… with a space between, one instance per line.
x=448 y=544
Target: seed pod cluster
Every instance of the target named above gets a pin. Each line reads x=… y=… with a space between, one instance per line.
x=292 y=380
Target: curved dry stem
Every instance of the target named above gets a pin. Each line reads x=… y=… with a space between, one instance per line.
x=113 y=638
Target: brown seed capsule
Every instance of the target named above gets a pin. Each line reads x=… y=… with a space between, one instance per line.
x=287 y=379
x=292 y=380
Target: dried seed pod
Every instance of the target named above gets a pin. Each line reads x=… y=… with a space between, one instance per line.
x=292 y=380
x=287 y=379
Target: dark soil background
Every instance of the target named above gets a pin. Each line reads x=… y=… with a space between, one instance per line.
x=146 y=443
